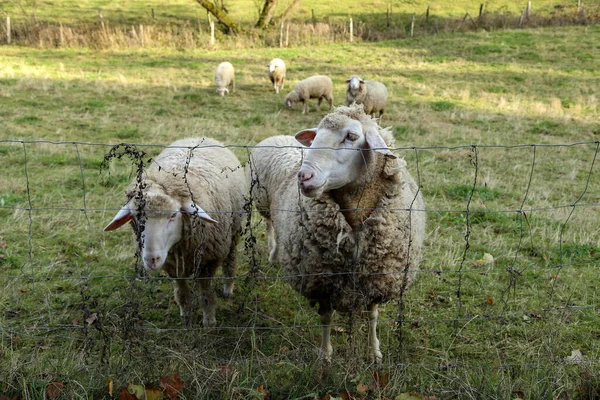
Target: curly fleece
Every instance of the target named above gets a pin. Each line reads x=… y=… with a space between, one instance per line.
x=337 y=264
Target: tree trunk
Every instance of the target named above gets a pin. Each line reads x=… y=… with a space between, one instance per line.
x=267 y=13
x=220 y=15
x=289 y=11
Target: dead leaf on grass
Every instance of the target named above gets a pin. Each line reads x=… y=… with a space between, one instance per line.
x=172 y=386
x=54 y=389
x=109 y=387
x=362 y=389
x=92 y=318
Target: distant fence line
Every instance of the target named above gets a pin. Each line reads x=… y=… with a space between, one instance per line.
x=150 y=33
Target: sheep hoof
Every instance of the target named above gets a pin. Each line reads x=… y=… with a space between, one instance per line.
x=228 y=290
x=209 y=322
x=377 y=357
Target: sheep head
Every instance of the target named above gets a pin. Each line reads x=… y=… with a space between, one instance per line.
x=162 y=223
x=354 y=83
x=335 y=156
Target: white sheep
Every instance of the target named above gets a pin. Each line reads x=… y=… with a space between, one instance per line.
x=224 y=77
x=186 y=178
x=348 y=225
x=371 y=94
x=276 y=70
x=316 y=87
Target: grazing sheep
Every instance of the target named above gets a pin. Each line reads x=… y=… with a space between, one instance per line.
x=276 y=73
x=359 y=242
x=316 y=87
x=371 y=94
x=178 y=235
x=224 y=77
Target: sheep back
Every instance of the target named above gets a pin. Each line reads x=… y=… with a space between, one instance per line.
x=224 y=75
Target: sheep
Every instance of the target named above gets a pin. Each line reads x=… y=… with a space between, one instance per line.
x=371 y=94
x=177 y=234
x=316 y=87
x=359 y=243
x=276 y=70
x=224 y=77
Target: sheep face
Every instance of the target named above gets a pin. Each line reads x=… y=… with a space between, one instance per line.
x=272 y=68
x=223 y=91
x=162 y=222
x=335 y=157
x=354 y=83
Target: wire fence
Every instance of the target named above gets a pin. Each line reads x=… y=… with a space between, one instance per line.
x=510 y=262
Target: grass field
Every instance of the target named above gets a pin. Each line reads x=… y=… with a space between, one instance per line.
x=72 y=309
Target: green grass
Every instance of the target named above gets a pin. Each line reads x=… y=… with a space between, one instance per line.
x=447 y=92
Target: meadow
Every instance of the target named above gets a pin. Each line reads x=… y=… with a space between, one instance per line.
x=499 y=128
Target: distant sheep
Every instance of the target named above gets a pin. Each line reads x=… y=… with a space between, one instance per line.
x=224 y=77
x=316 y=87
x=276 y=70
x=371 y=94
x=359 y=242
x=178 y=235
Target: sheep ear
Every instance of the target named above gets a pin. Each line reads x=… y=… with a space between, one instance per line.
x=362 y=82
x=347 y=80
x=376 y=142
x=306 y=136
x=123 y=216
x=192 y=208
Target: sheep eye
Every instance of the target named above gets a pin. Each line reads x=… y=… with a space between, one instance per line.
x=352 y=137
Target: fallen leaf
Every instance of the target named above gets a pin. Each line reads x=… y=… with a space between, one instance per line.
x=409 y=396
x=489 y=300
x=54 y=389
x=362 y=389
x=109 y=387
x=124 y=395
x=260 y=389
x=520 y=394
x=137 y=392
x=381 y=379
x=153 y=394
x=346 y=396
x=92 y=318
x=172 y=386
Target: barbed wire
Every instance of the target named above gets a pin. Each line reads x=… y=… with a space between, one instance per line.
x=131 y=332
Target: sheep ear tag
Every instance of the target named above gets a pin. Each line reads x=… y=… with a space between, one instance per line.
x=123 y=216
x=306 y=136
x=196 y=209
x=375 y=141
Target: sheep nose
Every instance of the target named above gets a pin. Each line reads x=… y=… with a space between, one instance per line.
x=304 y=176
x=153 y=260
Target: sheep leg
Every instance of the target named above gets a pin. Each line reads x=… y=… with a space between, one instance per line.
x=319 y=103
x=330 y=101
x=182 y=297
x=272 y=242
x=304 y=107
x=326 y=348
x=373 y=341
x=229 y=270
x=207 y=295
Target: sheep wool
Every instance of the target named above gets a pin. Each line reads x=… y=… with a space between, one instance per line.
x=315 y=87
x=342 y=262
x=371 y=94
x=203 y=172
x=224 y=78
x=276 y=71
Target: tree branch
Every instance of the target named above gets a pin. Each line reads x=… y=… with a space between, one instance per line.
x=221 y=16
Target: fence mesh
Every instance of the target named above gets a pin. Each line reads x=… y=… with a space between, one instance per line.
x=507 y=282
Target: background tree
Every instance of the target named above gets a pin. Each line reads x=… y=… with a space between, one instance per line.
x=265 y=17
